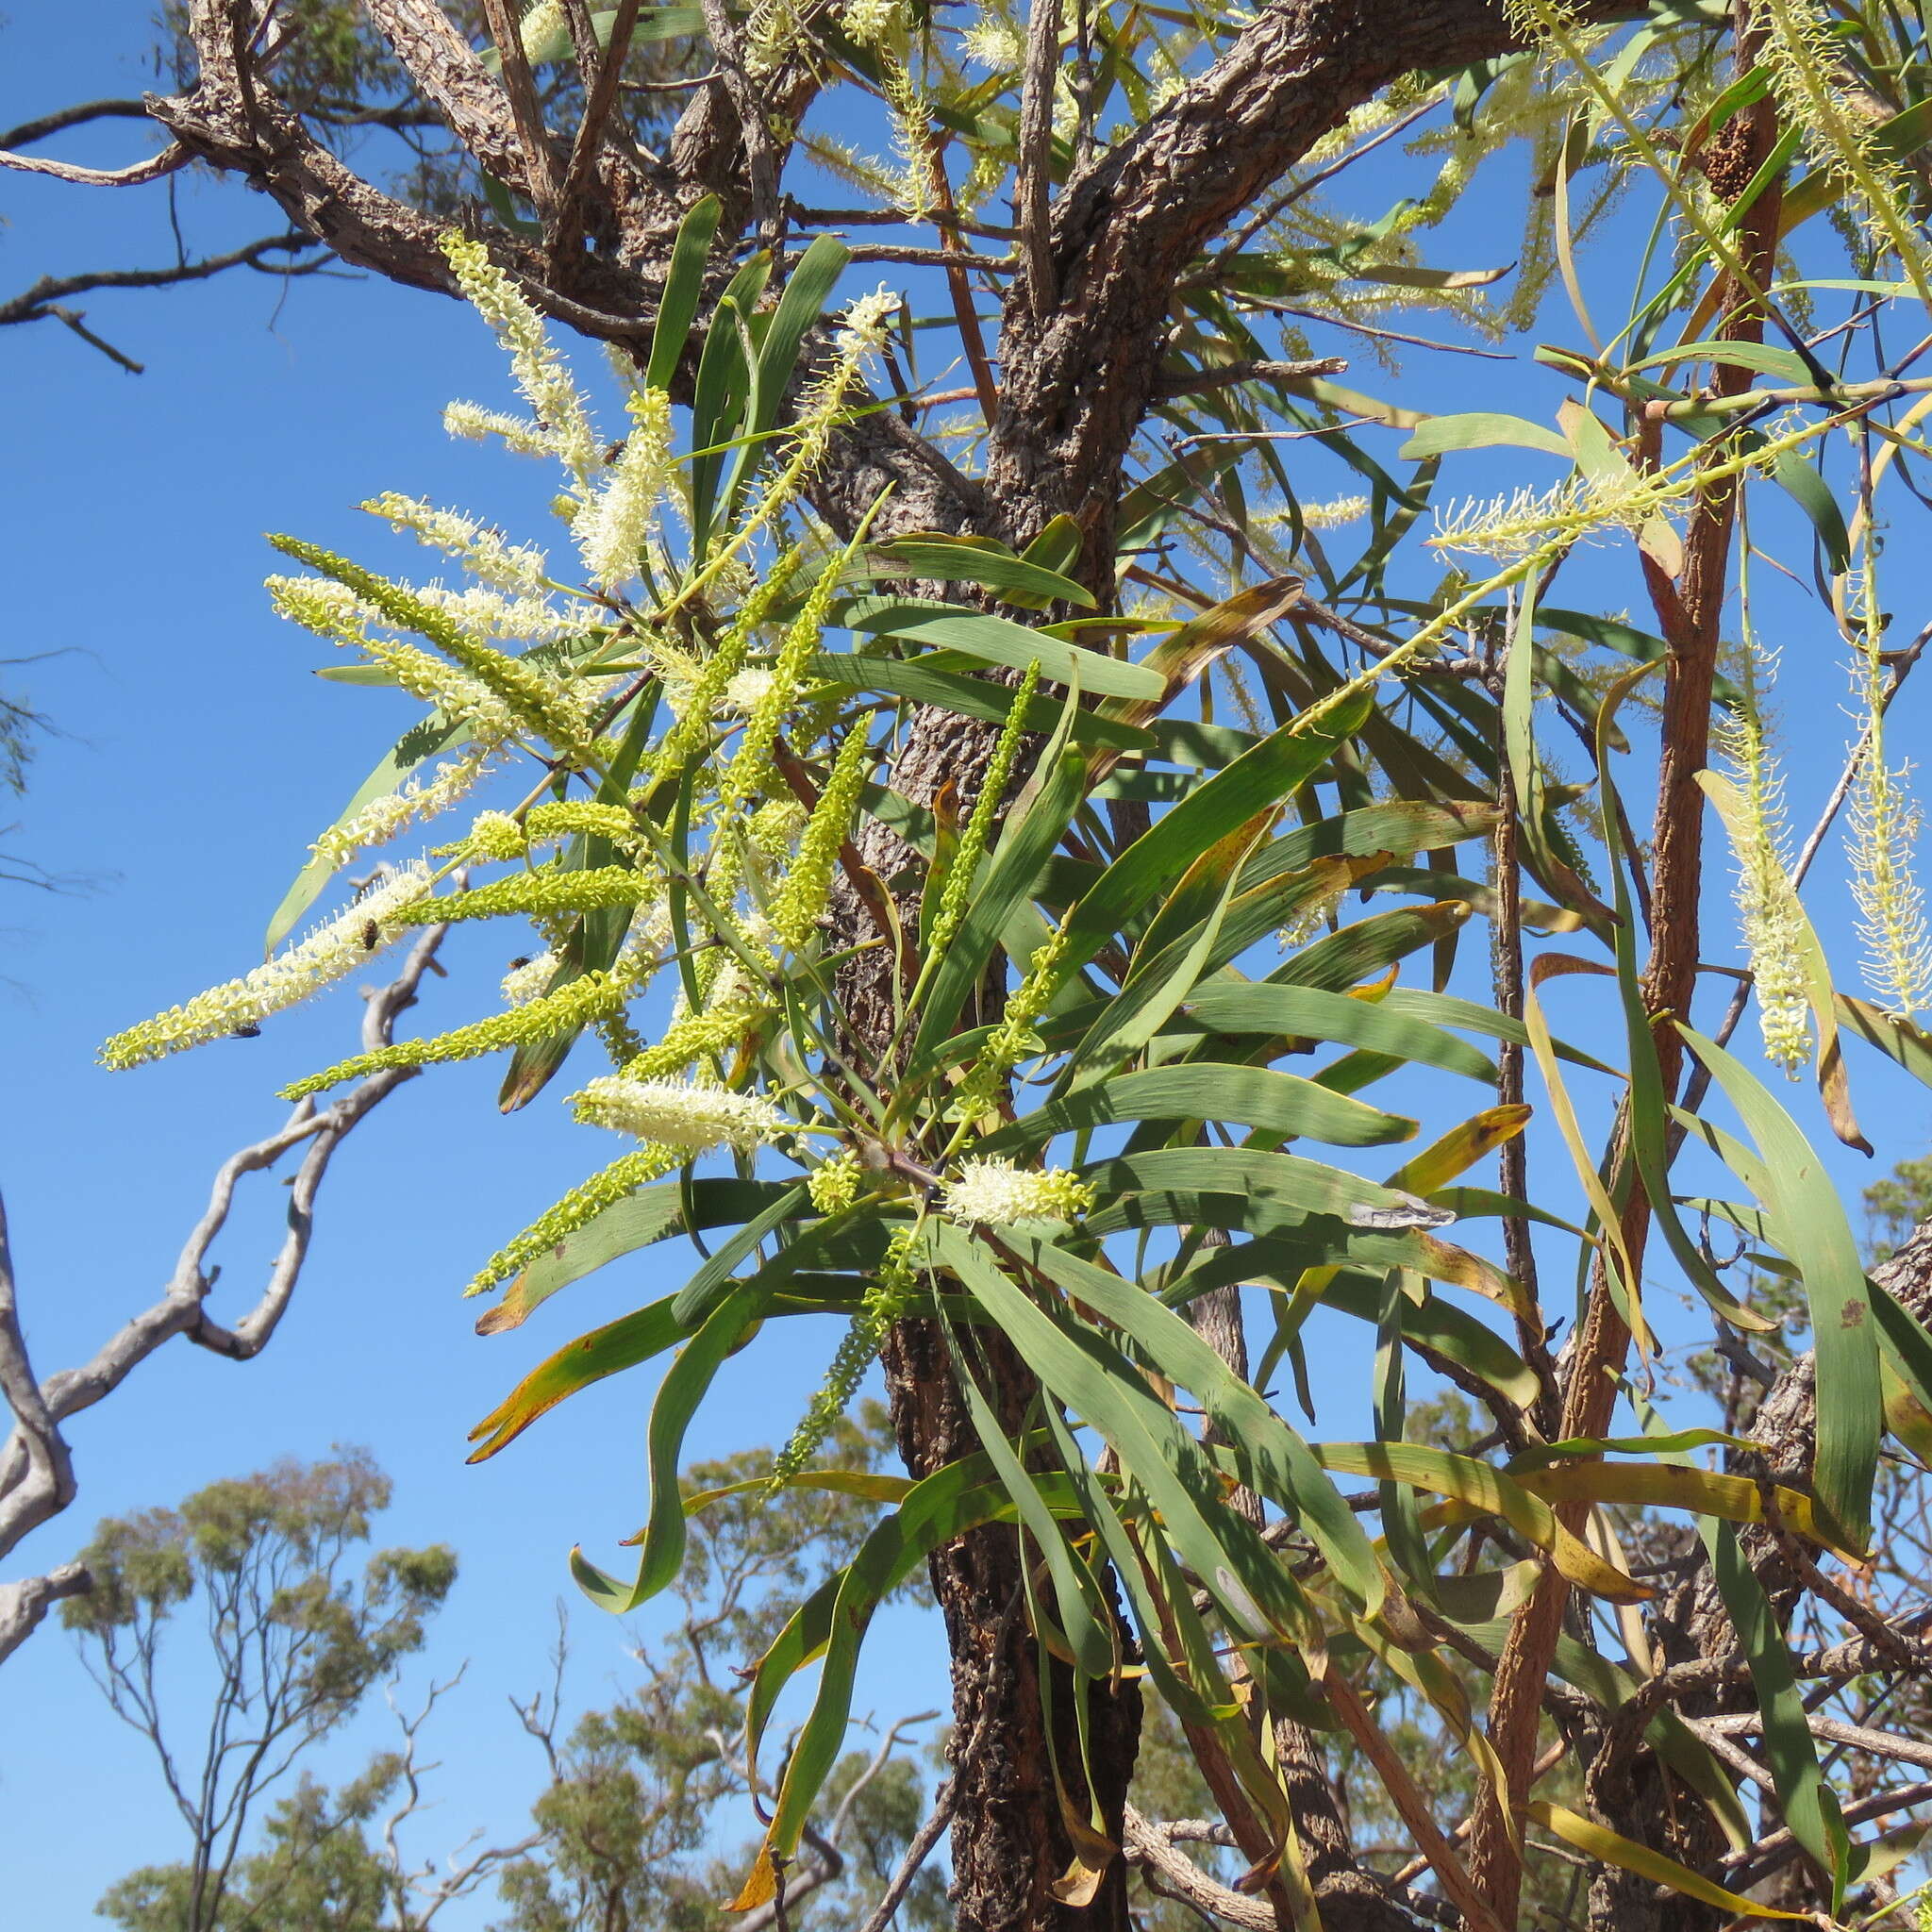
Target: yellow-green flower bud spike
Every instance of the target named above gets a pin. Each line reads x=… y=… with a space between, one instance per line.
x=749 y=773
x=578 y=1209
x=697 y=1036
x=1013 y=1038
x=957 y=890
x=562 y=1011
x=834 y=1184
x=699 y=706
x=496 y=836
x=579 y=817
x=801 y=898
x=885 y=1301
x=552 y=714
x=551 y=891
x=328 y=954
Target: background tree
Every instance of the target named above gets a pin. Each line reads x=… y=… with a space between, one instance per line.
x=630 y=1829
x=296 y=1638
x=913 y=1008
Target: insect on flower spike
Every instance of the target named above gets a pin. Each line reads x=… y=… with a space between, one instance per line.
x=330 y=952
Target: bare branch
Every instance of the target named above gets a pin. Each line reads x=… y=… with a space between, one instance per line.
x=1147 y=1846
x=171 y=158
x=36 y=1475
x=1034 y=185
x=917 y=1852
x=78 y=115
x=540 y=165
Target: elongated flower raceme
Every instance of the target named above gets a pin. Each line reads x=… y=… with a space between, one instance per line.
x=1516 y=525
x=680 y=1113
x=578 y=1003
x=808 y=884
x=1885 y=827
x=1803 y=58
x=957 y=890
x=572 y=818
x=415 y=801
x=550 y=711
x=698 y=707
x=750 y=770
x=1768 y=911
x=327 y=955
x=885 y=1300
x=472 y=422
x=539 y=372
x=996 y=1193
x=550 y=890
x=578 y=1209
x=1014 y=1038
x=613 y=532
x=717 y=1030
x=517 y=568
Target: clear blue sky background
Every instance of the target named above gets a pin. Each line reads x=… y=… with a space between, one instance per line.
x=199 y=757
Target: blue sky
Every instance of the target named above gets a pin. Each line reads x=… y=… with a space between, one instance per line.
x=197 y=757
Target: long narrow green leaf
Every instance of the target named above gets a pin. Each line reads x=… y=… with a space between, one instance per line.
x=1243 y=1096
x=1272 y=772
x=686 y=1384
x=1308 y=1012
x=1024 y=844
x=652 y=1215
x=1802 y=1206
x=1278 y=1464
x=684 y=278
x=1221 y=1546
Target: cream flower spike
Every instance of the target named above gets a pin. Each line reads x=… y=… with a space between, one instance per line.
x=996 y=1193
x=330 y=952
x=680 y=1115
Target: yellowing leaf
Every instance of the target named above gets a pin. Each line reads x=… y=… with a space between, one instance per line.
x=1610 y=1848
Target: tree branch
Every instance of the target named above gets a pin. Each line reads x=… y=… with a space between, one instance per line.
x=78 y=115
x=36 y=1473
